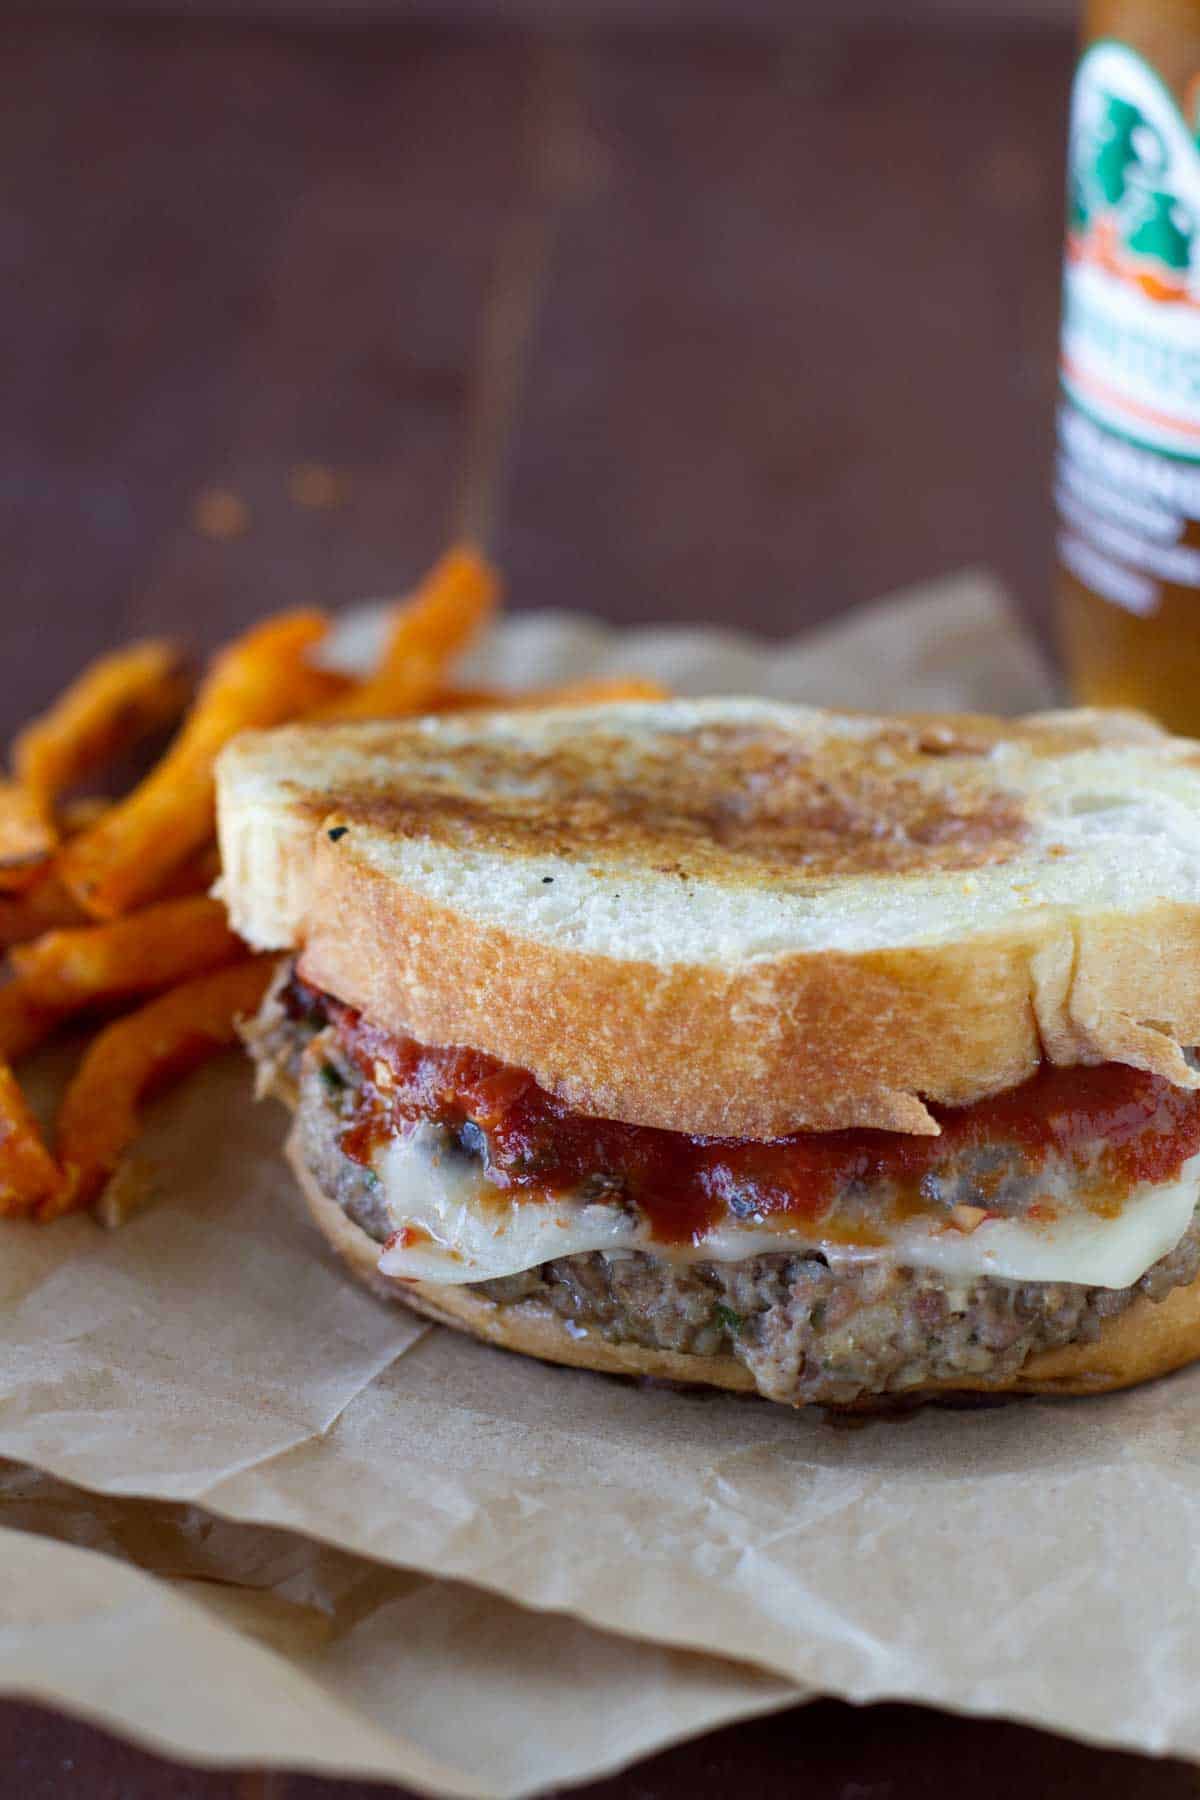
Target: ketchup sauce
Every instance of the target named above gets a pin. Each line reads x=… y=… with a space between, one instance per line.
x=1120 y=1125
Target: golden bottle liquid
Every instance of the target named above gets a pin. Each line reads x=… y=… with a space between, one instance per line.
x=1128 y=453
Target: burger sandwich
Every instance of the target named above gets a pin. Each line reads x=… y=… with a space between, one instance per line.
x=829 y=1056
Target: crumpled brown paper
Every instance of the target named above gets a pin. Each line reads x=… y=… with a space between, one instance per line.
x=234 y=1644
x=1029 y=1559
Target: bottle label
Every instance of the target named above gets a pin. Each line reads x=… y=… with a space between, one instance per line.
x=1129 y=429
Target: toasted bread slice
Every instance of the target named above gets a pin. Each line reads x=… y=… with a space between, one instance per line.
x=733 y=917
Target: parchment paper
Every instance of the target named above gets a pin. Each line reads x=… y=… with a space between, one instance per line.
x=1033 y=1559
x=227 y=1643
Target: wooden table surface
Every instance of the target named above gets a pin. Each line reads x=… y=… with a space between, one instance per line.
x=691 y=323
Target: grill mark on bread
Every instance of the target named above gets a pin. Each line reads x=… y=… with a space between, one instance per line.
x=749 y=1006
x=712 y=802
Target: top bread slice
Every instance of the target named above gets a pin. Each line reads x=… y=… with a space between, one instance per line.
x=733 y=917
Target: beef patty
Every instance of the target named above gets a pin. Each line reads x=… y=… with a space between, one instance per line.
x=806 y=1331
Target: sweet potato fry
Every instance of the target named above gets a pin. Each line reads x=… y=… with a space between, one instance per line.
x=79 y=815
x=27 y=837
x=263 y=679
x=115 y=702
x=44 y=906
x=135 y=1056
x=449 y=608
x=603 y=691
x=47 y=906
x=138 y=954
x=29 y=1176
x=24 y=1022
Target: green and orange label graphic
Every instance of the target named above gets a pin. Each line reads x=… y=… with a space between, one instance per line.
x=1131 y=291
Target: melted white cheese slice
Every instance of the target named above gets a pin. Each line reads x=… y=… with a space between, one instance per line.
x=455 y=1226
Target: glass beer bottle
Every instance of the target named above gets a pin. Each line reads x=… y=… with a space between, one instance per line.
x=1128 y=454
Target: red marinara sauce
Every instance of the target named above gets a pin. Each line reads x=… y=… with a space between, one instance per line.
x=1123 y=1125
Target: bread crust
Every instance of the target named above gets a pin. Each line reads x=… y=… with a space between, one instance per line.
x=1148 y=1340
x=798 y=1043
x=742 y=1045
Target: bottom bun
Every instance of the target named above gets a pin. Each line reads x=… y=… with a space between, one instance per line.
x=1151 y=1338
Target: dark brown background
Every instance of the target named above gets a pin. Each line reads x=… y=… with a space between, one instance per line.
x=703 y=322
x=701 y=312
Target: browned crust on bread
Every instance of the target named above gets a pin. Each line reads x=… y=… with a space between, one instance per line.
x=1149 y=1339
x=747 y=1048
x=715 y=805
x=807 y=1042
